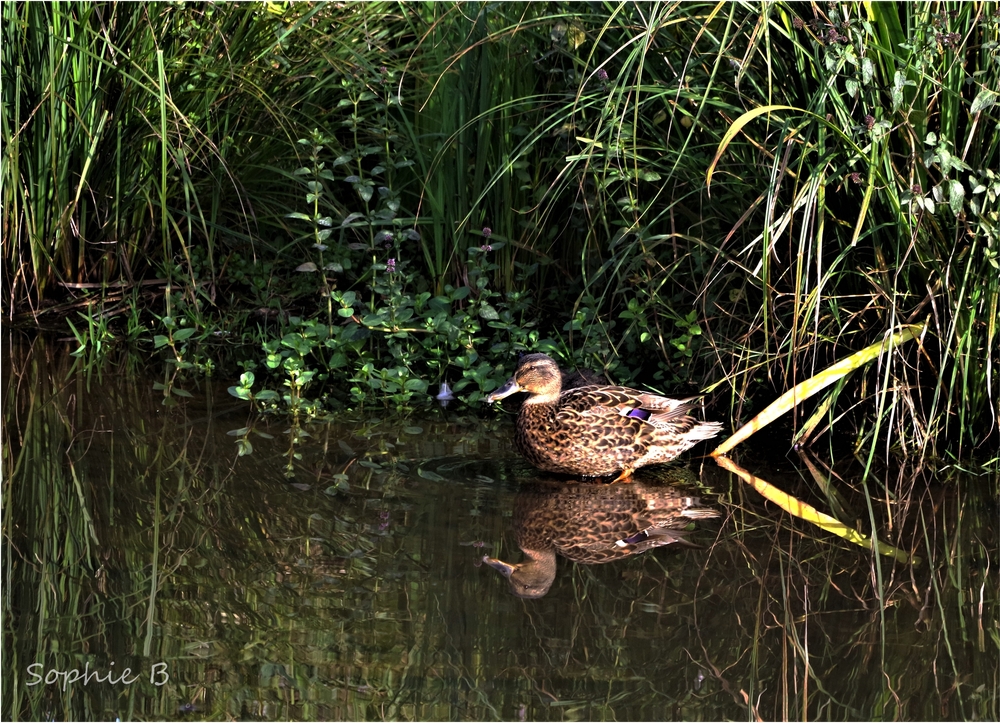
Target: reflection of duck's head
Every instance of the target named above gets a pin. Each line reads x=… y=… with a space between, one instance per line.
x=529 y=579
x=592 y=523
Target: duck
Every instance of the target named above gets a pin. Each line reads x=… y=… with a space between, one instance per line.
x=596 y=430
x=592 y=523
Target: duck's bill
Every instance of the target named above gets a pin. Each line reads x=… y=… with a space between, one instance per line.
x=511 y=387
x=505 y=568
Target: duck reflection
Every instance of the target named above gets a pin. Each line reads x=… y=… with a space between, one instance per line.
x=592 y=523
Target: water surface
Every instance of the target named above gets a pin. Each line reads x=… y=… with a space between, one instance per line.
x=341 y=578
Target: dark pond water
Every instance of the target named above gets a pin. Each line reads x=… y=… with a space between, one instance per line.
x=355 y=589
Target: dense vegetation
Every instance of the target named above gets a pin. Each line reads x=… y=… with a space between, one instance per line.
x=358 y=201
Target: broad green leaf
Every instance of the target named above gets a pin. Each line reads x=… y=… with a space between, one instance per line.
x=240 y=393
x=984 y=101
x=415 y=385
x=956 y=196
x=867 y=71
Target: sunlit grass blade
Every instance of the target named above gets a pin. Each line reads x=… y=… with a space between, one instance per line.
x=734 y=128
x=805 y=432
x=802 y=391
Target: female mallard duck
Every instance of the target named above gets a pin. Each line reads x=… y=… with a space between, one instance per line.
x=590 y=524
x=594 y=430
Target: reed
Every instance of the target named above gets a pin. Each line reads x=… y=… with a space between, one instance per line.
x=728 y=197
x=807 y=185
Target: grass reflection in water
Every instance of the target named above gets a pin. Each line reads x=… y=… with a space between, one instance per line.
x=134 y=537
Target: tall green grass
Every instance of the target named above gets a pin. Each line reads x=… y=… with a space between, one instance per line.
x=100 y=160
x=806 y=185
x=158 y=140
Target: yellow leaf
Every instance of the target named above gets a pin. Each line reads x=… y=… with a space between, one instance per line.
x=802 y=391
x=735 y=128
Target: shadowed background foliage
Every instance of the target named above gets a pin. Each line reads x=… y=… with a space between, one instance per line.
x=367 y=199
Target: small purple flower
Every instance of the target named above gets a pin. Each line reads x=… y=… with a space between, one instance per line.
x=869 y=122
x=797 y=23
x=856 y=177
x=390 y=266
x=485 y=248
x=915 y=188
x=487 y=232
x=384 y=517
x=602 y=75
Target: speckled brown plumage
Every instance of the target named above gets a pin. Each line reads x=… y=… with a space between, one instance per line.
x=592 y=523
x=596 y=430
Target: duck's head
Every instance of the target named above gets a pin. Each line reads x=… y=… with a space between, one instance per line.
x=536 y=374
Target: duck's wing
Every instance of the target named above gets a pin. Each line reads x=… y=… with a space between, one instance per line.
x=632 y=404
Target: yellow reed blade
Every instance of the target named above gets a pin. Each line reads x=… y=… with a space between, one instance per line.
x=802 y=391
x=735 y=128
